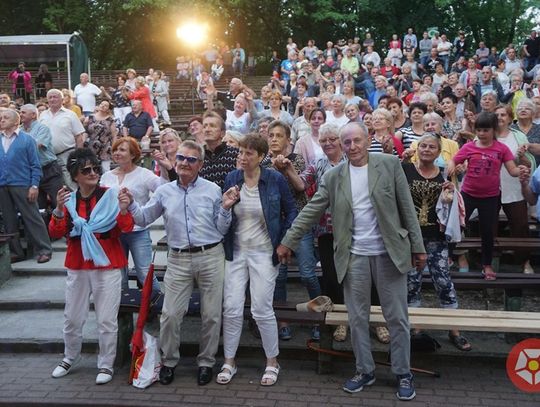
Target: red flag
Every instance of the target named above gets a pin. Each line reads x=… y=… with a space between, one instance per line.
x=137 y=344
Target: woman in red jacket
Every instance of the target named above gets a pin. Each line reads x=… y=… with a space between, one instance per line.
x=92 y=219
x=142 y=93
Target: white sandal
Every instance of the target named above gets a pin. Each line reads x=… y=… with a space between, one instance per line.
x=225 y=376
x=270 y=375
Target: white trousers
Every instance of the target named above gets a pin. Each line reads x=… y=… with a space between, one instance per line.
x=105 y=288
x=120 y=113
x=255 y=266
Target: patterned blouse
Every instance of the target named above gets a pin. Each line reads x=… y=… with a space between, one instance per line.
x=100 y=137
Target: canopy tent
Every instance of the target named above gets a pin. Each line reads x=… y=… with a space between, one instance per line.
x=47 y=48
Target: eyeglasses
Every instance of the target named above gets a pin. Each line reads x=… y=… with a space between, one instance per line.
x=96 y=169
x=189 y=159
x=331 y=140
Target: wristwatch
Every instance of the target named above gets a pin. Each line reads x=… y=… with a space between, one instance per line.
x=34 y=186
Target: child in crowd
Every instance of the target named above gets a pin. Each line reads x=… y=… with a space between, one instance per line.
x=481 y=185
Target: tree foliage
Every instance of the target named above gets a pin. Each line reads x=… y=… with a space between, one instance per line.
x=142 y=32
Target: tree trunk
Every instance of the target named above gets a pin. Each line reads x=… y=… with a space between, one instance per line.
x=515 y=14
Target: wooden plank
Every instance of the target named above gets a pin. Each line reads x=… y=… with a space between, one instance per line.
x=445 y=312
x=463 y=324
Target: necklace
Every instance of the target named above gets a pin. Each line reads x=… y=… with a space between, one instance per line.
x=432 y=174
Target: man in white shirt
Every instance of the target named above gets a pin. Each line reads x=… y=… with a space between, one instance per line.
x=66 y=129
x=376 y=239
x=85 y=95
x=444 y=47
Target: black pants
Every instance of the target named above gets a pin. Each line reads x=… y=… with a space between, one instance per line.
x=51 y=182
x=488 y=211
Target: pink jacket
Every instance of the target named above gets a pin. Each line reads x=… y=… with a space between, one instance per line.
x=27 y=80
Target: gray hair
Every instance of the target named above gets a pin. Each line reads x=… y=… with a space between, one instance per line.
x=57 y=91
x=433 y=116
x=528 y=103
x=359 y=125
x=430 y=136
x=192 y=145
x=30 y=107
x=429 y=97
x=328 y=128
x=235 y=135
x=341 y=98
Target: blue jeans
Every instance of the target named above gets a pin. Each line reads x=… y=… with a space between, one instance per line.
x=446 y=61
x=306 y=266
x=140 y=246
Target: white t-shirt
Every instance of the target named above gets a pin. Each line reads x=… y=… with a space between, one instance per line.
x=251 y=230
x=239 y=124
x=64 y=126
x=86 y=96
x=317 y=150
x=338 y=121
x=140 y=182
x=510 y=186
x=367 y=239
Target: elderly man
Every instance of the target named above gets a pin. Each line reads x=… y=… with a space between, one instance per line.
x=66 y=129
x=488 y=83
x=219 y=158
x=196 y=219
x=20 y=173
x=376 y=232
x=137 y=124
x=51 y=181
x=85 y=95
x=227 y=98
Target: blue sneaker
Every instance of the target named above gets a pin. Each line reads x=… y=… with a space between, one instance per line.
x=284 y=333
x=358 y=381
x=405 y=387
x=315 y=333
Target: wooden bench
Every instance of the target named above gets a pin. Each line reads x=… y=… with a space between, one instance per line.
x=444 y=319
x=131 y=301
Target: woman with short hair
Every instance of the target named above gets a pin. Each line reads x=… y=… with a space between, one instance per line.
x=141 y=182
x=426 y=184
x=93 y=260
x=101 y=133
x=263 y=211
x=165 y=158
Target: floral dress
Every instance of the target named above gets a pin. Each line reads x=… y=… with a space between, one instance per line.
x=100 y=137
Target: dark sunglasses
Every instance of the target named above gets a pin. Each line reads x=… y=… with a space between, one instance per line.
x=189 y=159
x=87 y=170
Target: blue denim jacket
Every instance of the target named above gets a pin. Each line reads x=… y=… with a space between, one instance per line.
x=277 y=204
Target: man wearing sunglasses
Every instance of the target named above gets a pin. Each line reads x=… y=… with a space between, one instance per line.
x=197 y=216
x=20 y=173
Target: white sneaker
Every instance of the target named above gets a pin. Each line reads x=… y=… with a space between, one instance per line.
x=104 y=376
x=65 y=366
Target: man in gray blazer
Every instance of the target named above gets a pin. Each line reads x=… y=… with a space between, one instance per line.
x=377 y=239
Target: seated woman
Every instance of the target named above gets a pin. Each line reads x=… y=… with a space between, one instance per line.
x=337 y=114
x=426 y=184
x=383 y=139
x=263 y=211
x=92 y=219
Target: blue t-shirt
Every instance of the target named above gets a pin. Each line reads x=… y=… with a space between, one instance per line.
x=287 y=65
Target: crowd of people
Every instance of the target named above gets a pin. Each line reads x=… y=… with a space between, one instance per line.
x=342 y=158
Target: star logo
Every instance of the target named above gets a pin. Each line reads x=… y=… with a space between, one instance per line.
x=523 y=365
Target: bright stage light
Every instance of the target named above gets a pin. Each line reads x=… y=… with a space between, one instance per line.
x=192 y=33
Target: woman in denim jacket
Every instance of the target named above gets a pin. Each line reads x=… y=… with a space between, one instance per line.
x=263 y=212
